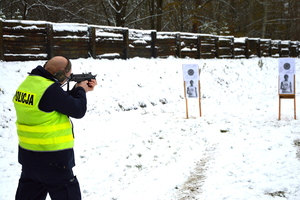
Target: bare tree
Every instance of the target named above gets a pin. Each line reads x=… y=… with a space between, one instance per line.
x=276 y=19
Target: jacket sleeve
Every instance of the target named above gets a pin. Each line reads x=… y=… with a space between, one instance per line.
x=73 y=104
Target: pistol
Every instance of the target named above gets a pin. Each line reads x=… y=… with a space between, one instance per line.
x=82 y=77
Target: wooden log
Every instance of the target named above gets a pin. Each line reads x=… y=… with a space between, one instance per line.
x=199 y=47
x=125 y=44
x=22 y=25
x=24 y=39
x=49 y=41
x=69 y=33
x=25 y=57
x=153 y=44
x=1 y=41
x=178 y=45
x=92 y=41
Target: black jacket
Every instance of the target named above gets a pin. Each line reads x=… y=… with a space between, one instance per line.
x=72 y=104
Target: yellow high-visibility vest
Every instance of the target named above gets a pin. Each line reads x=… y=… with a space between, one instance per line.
x=39 y=130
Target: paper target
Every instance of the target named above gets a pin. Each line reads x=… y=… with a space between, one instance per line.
x=190 y=72
x=286 y=66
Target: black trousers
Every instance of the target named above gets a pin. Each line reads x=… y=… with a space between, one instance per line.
x=36 y=184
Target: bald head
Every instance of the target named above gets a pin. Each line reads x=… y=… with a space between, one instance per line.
x=56 y=64
x=59 y=67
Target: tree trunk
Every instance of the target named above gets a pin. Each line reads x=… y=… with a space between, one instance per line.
x=120 y=10
x=265 y=18
x=159 y=15
x=152 y=13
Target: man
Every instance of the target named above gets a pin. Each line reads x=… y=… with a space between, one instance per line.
x=45 y=131
x=192 y=90
x=286 y=85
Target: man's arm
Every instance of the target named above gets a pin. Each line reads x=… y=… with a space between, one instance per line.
x=73 y=104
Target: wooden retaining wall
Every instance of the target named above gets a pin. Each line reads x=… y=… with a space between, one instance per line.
x=40 y=40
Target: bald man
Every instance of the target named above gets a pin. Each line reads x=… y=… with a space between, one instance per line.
x=45 y=132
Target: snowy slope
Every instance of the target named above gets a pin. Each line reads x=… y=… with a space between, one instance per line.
x=135 y=143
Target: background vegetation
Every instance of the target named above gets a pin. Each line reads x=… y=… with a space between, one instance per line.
x=274 y=19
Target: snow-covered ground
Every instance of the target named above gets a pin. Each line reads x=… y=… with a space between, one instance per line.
x=135 y=142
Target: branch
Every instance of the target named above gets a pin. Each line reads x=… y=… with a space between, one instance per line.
x=132 y=11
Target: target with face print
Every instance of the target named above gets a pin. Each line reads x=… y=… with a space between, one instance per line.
x=287 y=80
x=286 y=84
x=191 y=78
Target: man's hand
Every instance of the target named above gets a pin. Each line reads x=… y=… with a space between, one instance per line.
x=87 y=85
x=92 y=83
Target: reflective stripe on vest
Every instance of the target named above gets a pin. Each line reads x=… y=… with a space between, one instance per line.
x=55 y=140
x=39 y=130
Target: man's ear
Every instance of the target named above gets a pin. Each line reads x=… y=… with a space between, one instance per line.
x=60 y=76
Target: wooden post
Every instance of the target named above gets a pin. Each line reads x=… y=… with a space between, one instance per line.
x=199 y=47
x=279 y=49
x=232 y=47
x=258 y=48
x=279 y=109
x=297 y=49
x=1 y=41
x=290 y=48
x=153 y=44
x=50 y=42
x=217 y=46
x=125 y=44
x=178 y=45
x=92 y=41
x=292 y=96
x=247 y=45
x=270 y=48
x=199 y=92
x=295 y=117
x=186 y=101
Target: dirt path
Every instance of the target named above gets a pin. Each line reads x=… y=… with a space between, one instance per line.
x=192 y=187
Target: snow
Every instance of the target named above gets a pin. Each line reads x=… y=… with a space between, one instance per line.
x=73 y=27
x=135 y=142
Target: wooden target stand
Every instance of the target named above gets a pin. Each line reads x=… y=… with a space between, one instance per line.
x=287 y=96
x=186 y=100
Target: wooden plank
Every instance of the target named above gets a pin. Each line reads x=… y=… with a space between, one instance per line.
x=69 y=33
x=71 y=54
x=23 y=24
x=24 y=58
x=24 y=32
x=189 y=54
x=25 y=40
x=225 y=51
x=70 y=40
x=109 y=46
x=24 y=51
